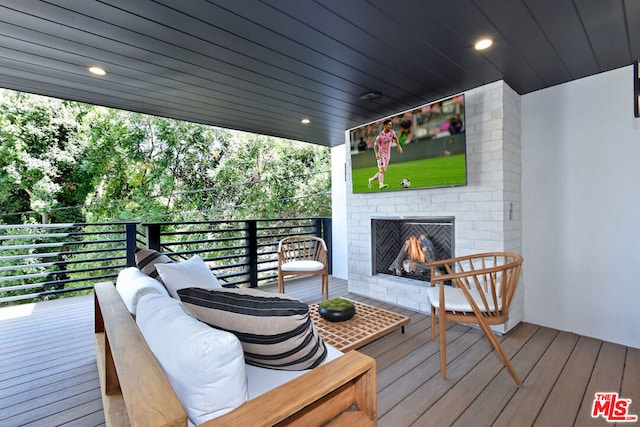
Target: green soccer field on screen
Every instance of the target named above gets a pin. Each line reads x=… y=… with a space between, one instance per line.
x=432 y=172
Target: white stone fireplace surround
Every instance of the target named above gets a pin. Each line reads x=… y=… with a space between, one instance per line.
x=487 y=210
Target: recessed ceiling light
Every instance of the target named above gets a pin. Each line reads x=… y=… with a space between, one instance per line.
x=483 y=44
x=305 y=121
x=98 y=71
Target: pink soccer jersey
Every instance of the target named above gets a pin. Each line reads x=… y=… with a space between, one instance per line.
x=383 y=141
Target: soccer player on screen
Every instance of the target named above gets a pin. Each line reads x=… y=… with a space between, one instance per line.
x=382 y=148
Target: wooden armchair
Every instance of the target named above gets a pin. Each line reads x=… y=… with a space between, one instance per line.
x=481 y=290
x=303 y=255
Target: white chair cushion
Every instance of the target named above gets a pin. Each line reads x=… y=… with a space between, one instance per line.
x=454 y=299
x=192 y=273
x=205 y=366
x=302 y=265
x=132 y=284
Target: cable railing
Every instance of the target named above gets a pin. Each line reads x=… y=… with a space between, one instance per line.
x=44 y=261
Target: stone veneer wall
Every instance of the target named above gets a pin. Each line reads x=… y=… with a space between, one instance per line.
x=487 y=210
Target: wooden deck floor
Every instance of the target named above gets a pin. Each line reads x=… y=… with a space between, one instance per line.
x=48 y=374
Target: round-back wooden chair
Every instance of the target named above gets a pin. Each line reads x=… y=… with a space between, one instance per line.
x=474 y=289
x=303 y=255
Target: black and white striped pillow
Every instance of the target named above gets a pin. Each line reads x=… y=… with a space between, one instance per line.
x=275 y=330
x=146 y=260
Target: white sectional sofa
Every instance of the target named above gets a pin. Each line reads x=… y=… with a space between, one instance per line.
x=159 y=365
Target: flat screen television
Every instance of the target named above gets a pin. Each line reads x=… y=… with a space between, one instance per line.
x=432 y=139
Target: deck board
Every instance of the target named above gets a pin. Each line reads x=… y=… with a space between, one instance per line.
x=48 y=374
x=563 y=402
x=523 y=403
x=631 y=379
x=605 y=377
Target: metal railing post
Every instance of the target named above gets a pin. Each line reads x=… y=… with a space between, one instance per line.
x=153 y=237
x=327 y=235
x=252 y=242
x=130 y=244
x=316 y=227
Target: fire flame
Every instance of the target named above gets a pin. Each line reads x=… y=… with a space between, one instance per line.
x=414 y=249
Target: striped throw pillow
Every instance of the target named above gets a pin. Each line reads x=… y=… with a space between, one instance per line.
x=275 y=330
x=146 y=260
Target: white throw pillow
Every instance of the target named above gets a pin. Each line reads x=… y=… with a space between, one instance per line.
x=193 y=273
x=205 y=366
x=132 y=284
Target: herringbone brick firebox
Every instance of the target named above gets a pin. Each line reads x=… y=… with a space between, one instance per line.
x=391 y=236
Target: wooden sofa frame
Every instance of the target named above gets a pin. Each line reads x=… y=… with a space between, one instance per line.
x=135 y=391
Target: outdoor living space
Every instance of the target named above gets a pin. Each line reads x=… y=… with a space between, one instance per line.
x=551 y=148
x=49 y=376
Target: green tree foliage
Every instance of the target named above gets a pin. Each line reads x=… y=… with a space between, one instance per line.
x=70 y=162
x=40 y=142
x=155 y=166
x=265 y=177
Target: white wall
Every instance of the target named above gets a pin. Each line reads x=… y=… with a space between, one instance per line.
x=339 y=212
x=581 y=208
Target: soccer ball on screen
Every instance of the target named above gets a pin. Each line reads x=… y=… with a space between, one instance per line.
x=405 y=183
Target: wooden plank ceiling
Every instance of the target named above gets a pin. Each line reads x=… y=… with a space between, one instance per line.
x=263 y=65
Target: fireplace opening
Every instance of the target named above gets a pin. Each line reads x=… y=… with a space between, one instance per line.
x=416 y=252
x=403 y=247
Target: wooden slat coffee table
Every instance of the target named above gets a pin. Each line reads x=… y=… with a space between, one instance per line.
x=368 y=324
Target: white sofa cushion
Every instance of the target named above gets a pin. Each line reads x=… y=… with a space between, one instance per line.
x=132 y=284
x=261 y=380
x=302 y=265
x=275 y=330
x=192 y=273
x=205 y=366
